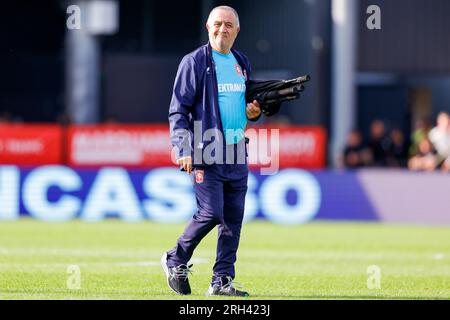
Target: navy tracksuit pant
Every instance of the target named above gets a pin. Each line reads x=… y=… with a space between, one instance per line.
x=220 y=191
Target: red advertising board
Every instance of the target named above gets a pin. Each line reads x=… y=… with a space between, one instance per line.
x=294 y=146
x=119 y=145
x=149 y=145
x=30 y=144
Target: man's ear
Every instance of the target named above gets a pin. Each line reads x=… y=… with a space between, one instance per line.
x=238 y=29
x=207 y=26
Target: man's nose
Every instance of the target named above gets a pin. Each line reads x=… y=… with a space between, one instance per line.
x=223 y=28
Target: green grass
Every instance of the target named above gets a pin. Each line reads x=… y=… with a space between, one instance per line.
x=313 y=261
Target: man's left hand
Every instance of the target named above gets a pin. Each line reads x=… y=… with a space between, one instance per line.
x=253 y=110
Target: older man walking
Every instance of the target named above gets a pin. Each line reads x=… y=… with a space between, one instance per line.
x=209 y=96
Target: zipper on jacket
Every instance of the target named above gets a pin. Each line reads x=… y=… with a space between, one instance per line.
x=216 y=92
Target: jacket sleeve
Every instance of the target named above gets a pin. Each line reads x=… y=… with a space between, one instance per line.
x=249 y=77
x=181 y=106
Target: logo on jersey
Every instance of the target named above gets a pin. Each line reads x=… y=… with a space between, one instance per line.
x=199 y=174
x=238 y=70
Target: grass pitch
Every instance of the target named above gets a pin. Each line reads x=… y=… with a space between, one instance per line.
x=319 y=260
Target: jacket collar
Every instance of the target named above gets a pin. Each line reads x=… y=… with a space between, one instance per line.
x=209 y=49
x=235 y=53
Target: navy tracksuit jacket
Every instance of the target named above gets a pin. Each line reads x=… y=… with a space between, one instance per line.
x=220 y=189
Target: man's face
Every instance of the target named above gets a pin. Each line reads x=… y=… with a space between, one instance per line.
x=222 y=30
x=377 y=129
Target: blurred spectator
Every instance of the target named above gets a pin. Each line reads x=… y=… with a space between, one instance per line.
x=398 y=153
x=421 y=129
x=425 y=159
x=440 y=138
x=355 y=155
x=379 y=143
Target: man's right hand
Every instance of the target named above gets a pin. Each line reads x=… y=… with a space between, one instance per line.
x=185 y=163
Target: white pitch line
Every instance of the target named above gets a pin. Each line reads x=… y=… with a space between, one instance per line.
x=97 y=264
x=153 y=263
x=82 y=252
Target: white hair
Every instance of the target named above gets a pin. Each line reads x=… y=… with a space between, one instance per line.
x=224 y=8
